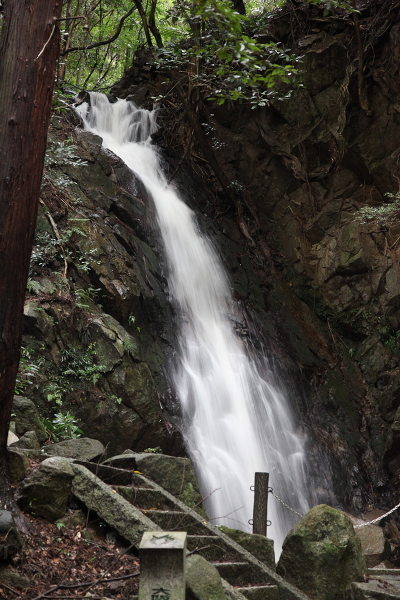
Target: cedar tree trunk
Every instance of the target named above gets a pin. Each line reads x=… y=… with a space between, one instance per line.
x=29 y=48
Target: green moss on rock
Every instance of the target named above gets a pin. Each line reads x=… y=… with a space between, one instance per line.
x=321 y=555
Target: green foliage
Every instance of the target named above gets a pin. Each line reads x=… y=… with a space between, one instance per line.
x=156 y=450
x=85 y=296
x=54 y=392
x=80 y=365
x=60 y=154
x=29 y=368
x=386 y=214
x=32 y=286
x=62 y=427
x=227 y=64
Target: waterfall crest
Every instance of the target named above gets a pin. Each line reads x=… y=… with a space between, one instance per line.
x=235 y=422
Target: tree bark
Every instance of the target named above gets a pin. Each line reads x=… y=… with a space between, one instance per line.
x=29 y=48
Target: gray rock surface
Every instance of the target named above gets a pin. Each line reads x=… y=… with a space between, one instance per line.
x=122 y=461
x=176 y=475
x=10 y=538
x=322 y=555
x=28 y=441
x=375 y=546
x=203 y=581
x=80 y=448
x=18 y=464
x=27 y=418
x=385 y=587
x=45 y=493
x=260 y=546
x=11 y=438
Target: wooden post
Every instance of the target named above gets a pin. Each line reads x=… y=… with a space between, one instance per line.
x=162 y=565
x=260 y=503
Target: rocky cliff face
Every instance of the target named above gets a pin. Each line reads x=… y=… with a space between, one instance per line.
x=322 y=283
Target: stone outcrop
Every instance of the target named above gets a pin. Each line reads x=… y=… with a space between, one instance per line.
x=322 y=555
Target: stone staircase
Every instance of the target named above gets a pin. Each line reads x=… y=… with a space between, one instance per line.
x=243 y=574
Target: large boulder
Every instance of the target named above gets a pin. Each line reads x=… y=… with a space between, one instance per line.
x=322 y=555
x=27 y=418
x=176 y=475
x=80 y=448
x=10 y=538
x=45 y=493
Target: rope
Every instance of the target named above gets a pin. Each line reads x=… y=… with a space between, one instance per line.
x=378 y=519
x=271 y=491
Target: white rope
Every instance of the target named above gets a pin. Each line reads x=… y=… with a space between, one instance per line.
x=378 y=519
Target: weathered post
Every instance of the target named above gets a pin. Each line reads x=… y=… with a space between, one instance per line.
x=162 y=565
x=260 y=508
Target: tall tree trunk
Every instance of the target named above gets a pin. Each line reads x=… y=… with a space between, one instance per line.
x=29 y=47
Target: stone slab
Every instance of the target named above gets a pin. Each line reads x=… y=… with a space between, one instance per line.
x=117 y=512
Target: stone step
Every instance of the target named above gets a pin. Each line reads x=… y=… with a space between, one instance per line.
x=145 y=498
x=260 y=592
x=381 y=587
x=113 y=476
x=240 y=573
x=213 y=548
x=176 y=521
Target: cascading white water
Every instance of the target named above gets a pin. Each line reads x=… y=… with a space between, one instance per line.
x=234 y=421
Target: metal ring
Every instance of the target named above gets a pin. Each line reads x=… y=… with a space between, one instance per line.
x=270 y=490
x=250 y=521
x=252 y=488
x=269 y=523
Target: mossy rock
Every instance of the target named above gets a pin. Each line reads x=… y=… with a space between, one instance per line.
x=27 y=418
x=322 y=555
x=258 y=545
x=176 y=475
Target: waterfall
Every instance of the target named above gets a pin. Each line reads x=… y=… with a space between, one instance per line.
x=234 y=421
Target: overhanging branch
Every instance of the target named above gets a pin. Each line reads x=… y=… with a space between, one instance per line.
x=104 y=42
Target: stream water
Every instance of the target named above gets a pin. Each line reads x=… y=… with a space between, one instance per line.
x=234 y=421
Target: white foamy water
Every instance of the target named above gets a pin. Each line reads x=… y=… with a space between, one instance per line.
x=234 y=421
